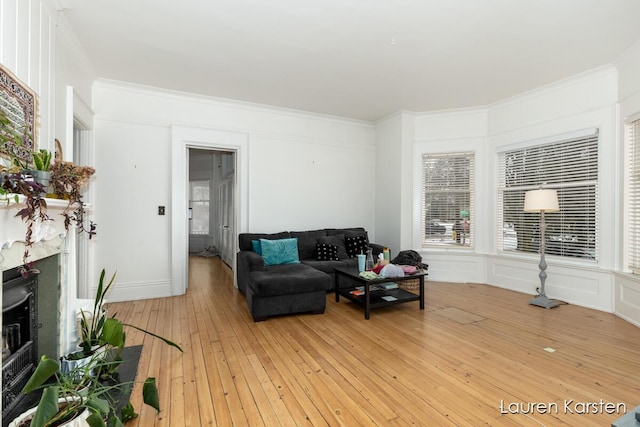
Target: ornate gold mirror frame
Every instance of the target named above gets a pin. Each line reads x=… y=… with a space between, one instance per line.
x=20 y=105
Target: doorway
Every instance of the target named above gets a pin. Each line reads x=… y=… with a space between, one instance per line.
x=211 y=203
x=236 y=190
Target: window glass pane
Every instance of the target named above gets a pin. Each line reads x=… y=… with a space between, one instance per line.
x=199 y=204
x=570 y=167
x=447 y=201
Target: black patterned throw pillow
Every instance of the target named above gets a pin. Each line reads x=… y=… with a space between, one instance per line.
x=356 y=245
x=326 y=252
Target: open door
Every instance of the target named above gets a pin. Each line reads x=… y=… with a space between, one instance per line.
x=226 y=224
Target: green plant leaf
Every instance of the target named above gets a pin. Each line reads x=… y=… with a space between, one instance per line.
x=112 y=332
x=128 y=413
x=42 y=160
x=150 y=393
x=171 y=343
x=46 y=369
x=37 y=161
x=46 y=159
x=95 y=420
x=47 y=408
x=115 y=422
x=98 y=405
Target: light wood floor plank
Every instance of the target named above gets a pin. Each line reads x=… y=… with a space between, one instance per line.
x=474 y=348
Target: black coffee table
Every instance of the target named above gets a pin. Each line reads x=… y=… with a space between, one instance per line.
x=378 y=298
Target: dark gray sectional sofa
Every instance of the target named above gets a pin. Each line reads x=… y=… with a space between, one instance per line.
x=279 y=289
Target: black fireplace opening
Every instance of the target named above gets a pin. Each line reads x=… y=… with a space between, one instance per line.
x=19 y=339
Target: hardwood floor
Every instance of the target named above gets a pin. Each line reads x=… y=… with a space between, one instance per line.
x=475 y=356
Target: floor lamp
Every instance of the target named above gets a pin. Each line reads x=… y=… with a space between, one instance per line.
x=542 y=201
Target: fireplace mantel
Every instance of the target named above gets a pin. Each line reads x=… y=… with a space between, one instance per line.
x=48 y=236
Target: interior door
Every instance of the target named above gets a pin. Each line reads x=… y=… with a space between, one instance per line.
x=226 y=225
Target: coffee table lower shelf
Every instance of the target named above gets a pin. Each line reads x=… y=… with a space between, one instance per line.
x=374 y=299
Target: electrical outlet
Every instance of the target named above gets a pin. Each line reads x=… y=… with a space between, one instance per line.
x=160 y=210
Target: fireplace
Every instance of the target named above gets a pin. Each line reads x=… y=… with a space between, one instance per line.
x=19 y=338
x=30 y=329
x=47 y=302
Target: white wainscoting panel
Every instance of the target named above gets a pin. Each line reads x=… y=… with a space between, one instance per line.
x=581 y=285
x=463 y=267
x=627 y=297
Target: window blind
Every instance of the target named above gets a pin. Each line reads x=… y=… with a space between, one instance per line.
x=633 y=208
x=569 y=166
x=447 y=200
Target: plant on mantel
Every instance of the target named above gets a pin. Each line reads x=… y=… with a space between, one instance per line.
x=66 y=182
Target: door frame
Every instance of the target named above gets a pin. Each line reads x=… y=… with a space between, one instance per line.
x=182 y=139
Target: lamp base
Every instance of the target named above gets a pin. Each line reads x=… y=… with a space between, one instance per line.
x=544 y=302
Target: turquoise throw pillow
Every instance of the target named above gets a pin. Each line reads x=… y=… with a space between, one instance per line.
x=282 y=251
x=255 y=244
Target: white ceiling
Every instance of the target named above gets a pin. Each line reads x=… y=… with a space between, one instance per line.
x=362 y=59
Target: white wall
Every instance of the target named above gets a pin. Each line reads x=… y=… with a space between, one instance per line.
x=306 y=171
x=388 y=201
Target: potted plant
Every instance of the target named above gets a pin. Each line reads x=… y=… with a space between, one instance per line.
x=41 y=164
x=79 y=398
x=98 y=332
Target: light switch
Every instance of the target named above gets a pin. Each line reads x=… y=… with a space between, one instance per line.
x=160 y=210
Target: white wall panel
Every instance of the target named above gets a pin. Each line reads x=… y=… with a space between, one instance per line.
x=628 y=66
x=443 y=125
x=455 y=266
x=9 y=35
x=25 y=38
x=37 y=16
x=627 y=297
x=588 y=287
x=388 y=181
x=26 y=49
x=563 y=99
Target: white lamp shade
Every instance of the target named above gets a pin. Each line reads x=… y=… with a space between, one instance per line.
x=541 y=200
